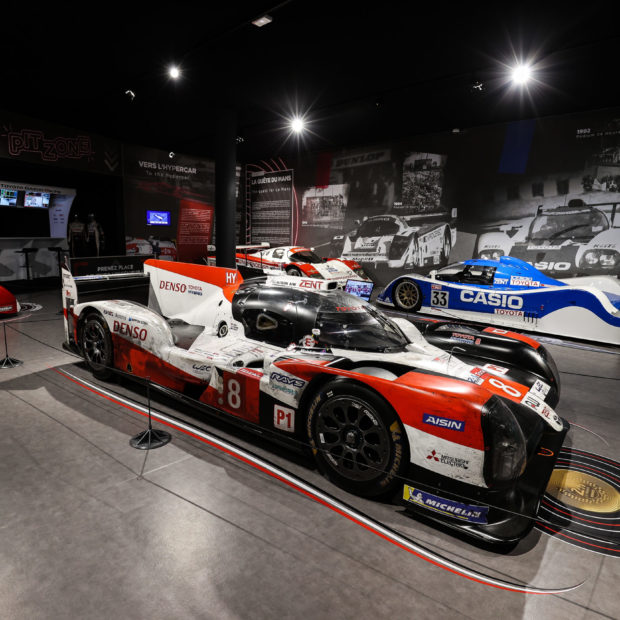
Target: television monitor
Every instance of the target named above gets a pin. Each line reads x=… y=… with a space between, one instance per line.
x=359 y=288
x=8 y=197
x=158 y=218
x=36 y=199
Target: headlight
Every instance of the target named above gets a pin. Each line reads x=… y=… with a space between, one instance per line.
x=504 y=442
x=398 y=247
x=361 y=273
x=591 y=258
x=490 y=254
x=606 y=259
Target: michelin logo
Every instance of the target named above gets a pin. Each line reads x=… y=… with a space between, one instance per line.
x=448 y=507
x=434 y=420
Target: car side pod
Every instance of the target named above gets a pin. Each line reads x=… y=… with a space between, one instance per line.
x=501 y=515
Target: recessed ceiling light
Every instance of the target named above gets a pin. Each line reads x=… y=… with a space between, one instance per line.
x=174 y=72
x=297 y=125
x=521 y=74
x=263 y=20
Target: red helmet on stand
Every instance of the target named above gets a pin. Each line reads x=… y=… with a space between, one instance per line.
x=8 y=304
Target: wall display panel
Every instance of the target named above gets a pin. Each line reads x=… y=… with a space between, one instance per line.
x=271 y=207
x=168 y=203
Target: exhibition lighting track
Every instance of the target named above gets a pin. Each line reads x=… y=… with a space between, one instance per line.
x=312 y=492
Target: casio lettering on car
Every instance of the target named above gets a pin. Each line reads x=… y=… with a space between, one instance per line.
x=492 y=299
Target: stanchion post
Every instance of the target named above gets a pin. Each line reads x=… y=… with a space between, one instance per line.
x=150 y=438
x=8 y=362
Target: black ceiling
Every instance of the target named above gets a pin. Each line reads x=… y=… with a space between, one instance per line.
x=361 y=72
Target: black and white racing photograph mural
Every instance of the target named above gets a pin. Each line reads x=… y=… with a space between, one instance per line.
x=546 y=191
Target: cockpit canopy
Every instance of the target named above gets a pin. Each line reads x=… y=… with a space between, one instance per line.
x=281 y=316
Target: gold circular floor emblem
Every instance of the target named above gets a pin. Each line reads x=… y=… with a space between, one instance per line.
x=580 y=490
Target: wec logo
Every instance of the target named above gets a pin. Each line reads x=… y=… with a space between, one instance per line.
x=501 y=300
x=176 y=287
x=434 y=420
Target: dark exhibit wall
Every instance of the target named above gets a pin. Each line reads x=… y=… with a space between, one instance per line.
x=169 y=197
x=544 y=190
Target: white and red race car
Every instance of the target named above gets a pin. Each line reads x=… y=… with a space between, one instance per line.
x=302 y=262
x=165 y=249
x=470 y=440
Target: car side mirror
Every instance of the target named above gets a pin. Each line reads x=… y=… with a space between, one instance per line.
x=432 y=273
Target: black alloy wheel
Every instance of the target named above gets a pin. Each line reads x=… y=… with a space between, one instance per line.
x=407 y=296
x=357 y=440
x=97 y=346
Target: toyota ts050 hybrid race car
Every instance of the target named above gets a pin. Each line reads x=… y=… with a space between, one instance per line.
x=398 y=242
x=574 y=238
x=465 y=434
x=301 y=262
x=511 y=292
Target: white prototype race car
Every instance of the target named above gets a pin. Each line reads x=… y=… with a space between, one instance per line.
x=398 y=242
x=301 y=262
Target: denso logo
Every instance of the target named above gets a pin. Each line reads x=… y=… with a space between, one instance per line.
x=492 y=299
x=434 y=420
x=173 y=286
x=298 y=383
x=133 y=331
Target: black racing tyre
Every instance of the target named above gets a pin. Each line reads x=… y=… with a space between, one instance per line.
x=294 y=271
x=96 y=345
x=407 y=296
x=447 y=248
x=357 y=440
x=222 y=330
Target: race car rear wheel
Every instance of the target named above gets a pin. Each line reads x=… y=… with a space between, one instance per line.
x=294 y=271
x=407 y=296
x=97 y=346
x=357 y=439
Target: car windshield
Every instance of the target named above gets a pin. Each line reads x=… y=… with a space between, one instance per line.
x=378 y=227
x=305 y=256
x=346 y=322
x=568 y=224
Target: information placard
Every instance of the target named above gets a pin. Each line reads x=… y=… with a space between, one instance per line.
x=271 y=207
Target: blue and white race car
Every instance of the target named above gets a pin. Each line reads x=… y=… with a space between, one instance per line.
x=513 y=293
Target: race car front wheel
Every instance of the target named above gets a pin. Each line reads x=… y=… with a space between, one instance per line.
x=357 y=440
x=407 y=296
x=293 y=271
x=97 y=346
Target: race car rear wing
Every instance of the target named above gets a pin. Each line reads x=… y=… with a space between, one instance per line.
x=239 y=249
x=131 y=286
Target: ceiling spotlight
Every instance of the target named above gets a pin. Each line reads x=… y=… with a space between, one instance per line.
x=263 y=20
x=297 y=125
x=521 y=74
x=477 y=85
x=130 y=94
x=174 y=72
x=171 y=154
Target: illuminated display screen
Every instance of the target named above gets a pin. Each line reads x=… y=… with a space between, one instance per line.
x=8 y=197
x=359 y=288
x=36 y=199
x=158 y=218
